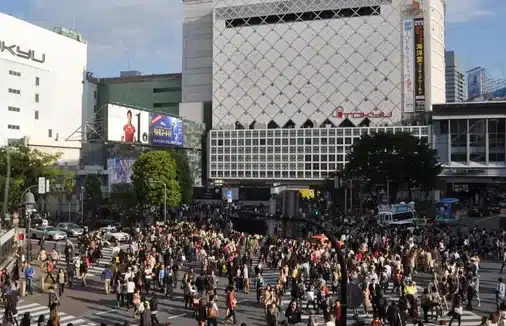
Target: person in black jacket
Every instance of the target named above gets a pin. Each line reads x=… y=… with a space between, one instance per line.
x=293 y=314
x=145 y=316
x=153 y=304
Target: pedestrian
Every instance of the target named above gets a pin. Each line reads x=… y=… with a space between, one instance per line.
x=41 y=321
x=61 y=281
x=231 y=305
x=29 y=274
x=153 y=304
x=26 y=320
x=54 y=318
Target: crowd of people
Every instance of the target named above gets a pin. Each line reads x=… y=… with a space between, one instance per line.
x=378 y=261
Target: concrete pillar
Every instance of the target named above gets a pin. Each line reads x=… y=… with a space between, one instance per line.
x=290 y=203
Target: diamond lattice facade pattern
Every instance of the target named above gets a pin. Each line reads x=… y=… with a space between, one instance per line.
x=292 y=61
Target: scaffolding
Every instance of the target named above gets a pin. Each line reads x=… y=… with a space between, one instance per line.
x=490 y=87
x=92 y=130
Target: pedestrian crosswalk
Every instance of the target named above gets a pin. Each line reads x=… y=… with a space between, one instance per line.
x=468 y=318
x=96 y=268
x=37 y=310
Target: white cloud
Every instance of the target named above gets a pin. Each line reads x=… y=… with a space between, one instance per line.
x=144 y=33
x=461 y=11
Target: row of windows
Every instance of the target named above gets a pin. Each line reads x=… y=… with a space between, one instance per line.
x=16 y=109
x=478 y=157
x=288 y=175
x=18 y=74
x=281 y=149
x=14 y=127
x=284 y=141
x=277 y=166
x=279 y=158
x=18 y=92
x=314 y=132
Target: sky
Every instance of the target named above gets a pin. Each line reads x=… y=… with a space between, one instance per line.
x=146 y=35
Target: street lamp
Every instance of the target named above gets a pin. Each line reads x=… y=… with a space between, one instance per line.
x=151 y=182
x=28 y=202
x=82 y=204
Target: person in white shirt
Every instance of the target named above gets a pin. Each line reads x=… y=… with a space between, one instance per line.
x=500 y=292
x=130 y=287
x=310 y=295
x=148 y=277
x=246 y=281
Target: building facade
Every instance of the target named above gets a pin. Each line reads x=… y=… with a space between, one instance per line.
x=471 y=142
x=160 y=93
x=309 y=63
x=42 y=81
x=299 y=156
x=455 y=79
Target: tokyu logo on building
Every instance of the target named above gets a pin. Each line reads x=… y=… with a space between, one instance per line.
x=341 y=114
x=20 y=52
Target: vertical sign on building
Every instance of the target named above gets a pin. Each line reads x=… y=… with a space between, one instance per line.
x=419 y=66
x=409 y=65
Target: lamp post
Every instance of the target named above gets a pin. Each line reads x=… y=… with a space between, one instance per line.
x=152 y=181
x=28 y=202
x=82 y=204
x=7 y=183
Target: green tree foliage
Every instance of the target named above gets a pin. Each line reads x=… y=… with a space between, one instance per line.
x=149 y=174
x=184 y=176
x=401 y=158
x=27 y=165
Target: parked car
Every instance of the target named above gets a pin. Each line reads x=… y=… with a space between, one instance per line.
x=71 y=229
x=478 y=212
x=107 y=223
x=49 y=232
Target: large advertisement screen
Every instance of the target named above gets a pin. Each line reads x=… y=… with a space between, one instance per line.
x=166 y=130
x=120 y=170
x=475 y=81
x=409 y=65
x=419 y=66
x=125 y=124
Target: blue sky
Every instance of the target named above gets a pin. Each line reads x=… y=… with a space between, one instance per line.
x=145 y=35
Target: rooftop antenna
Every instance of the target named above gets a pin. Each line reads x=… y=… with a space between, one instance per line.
x=73 y=24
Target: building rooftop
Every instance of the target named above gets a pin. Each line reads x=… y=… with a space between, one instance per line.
x=469 y=109
x=134 y=78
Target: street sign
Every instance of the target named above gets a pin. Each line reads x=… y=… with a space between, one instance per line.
x=229 y=196
x=47 y=185
x=42 y=185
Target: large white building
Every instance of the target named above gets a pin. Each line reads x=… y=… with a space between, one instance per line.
x=42 y=84
x=315 y=64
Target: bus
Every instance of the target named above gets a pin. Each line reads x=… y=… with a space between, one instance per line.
x=449 y=210
x=396 y=213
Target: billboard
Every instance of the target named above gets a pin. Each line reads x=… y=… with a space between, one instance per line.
x=126 y=124
x=166 y=130
x=475 y=82
x=409 y=65
x=120 y=170
x=419 y=65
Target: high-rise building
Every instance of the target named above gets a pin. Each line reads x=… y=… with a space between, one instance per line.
x=327 y=66
x=455 y=79
x=43 y=74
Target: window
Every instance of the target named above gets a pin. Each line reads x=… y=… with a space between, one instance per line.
x=37 y=98
x=94 y=94
x=14 y=73
x=13 y=127
x=50 y=133
x=163 y=105
x=36 y=115
x=14 y=109
x=161 y=90
x=14 y=91
x=37 y=81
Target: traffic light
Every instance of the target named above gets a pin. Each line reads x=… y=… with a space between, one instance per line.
x=316 y=212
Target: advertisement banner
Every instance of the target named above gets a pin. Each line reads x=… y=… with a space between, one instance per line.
x=126 y=124
x=419 y=66
x=475 y=81
x=409 y=65
x=120 y=170
x=166 y=130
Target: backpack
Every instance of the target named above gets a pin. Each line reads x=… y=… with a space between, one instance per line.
x=260 y=283
x=211 y=311
x=50 y=266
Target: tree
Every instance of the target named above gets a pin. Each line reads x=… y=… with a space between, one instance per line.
x=149 y=174
x=27 y=165
x=400 y=159
x=184 y=176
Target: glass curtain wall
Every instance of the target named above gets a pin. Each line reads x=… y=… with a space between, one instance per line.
x=478 y=140
x=496 y=140
x=458 y=134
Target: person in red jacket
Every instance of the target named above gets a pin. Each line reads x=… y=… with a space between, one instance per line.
x=231 y=305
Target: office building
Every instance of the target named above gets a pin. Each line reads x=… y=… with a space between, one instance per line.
x=455 y=79
x=42 y=84
x=274 y=66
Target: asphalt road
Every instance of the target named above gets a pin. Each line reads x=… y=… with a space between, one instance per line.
x=91 y=306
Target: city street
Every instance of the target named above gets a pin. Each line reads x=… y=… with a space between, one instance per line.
x=89 y=305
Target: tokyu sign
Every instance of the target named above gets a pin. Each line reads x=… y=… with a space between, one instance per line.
x=20 y=52
x=341 y=114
